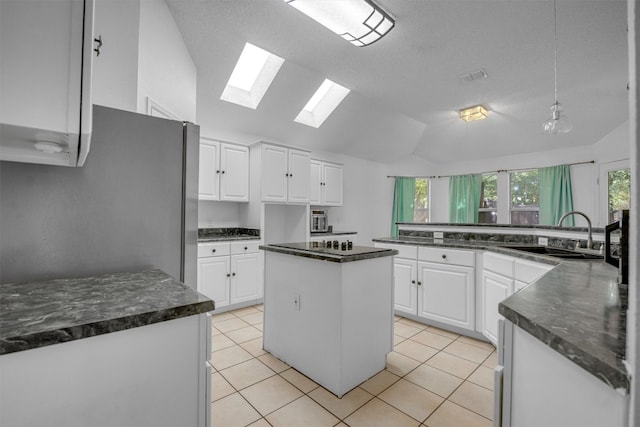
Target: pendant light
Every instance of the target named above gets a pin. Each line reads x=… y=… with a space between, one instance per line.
x=558 y=121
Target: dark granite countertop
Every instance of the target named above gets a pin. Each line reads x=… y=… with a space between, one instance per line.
x=577 y=309
x=227 y=234
x=315 y=251
x=498 y=226
x=330 y=233
x=43 y=313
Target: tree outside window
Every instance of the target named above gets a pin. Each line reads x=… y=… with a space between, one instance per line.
x=421 y=202
x=488 y=210
x=524 y=197
x=619 y=192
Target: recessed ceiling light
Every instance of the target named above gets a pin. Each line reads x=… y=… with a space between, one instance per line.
x=360 y=22
x=255 y=70
x=477 y=112
x=328 y=96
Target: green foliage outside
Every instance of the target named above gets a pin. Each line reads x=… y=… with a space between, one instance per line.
x=421 y=202
x=489 y=194
x=524 y=188
x=619 y=191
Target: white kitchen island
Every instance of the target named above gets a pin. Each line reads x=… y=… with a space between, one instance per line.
x=328 y=313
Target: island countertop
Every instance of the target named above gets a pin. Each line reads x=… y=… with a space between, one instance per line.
x=43 y=313
x=316 y=251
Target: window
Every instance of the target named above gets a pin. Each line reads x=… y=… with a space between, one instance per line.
x=618 y=192
x=488 y=211
x=421 y=202
x=524 y=197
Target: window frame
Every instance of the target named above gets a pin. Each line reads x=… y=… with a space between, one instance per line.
x=522 y=209
x=481 y=209
x=603 y=182
x=428 y=209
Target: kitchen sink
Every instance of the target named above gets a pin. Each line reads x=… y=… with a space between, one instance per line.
x=555 y=252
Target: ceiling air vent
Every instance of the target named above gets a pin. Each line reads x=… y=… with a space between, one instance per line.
x=473 y=76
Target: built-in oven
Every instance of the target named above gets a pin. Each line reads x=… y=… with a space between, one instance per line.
x=319 y=222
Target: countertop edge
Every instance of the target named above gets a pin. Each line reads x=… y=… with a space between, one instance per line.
x=78 y=332
x=329 y=257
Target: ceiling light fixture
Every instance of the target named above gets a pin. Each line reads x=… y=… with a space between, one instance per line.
x=557 y=122
x=360 y=22
x=477 y=112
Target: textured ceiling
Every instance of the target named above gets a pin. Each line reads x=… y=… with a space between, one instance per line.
x=406 y=90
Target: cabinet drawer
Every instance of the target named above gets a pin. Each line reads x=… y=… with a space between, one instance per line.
x=244 y=247
x=500 y=264
x=213 y=249
x=404 y=251
x=447 y=256
x=527 y=271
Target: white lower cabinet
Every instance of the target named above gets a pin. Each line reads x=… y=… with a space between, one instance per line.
x=503 y=275
x=431 y=284
x=406 y=285
x=537 y=386
x=230 y=273
x=495 y=288
x=446 y=293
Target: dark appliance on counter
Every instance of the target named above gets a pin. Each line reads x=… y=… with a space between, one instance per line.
x=319 y=221
x=621 y=261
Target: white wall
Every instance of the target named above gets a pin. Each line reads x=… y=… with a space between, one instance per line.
x=115 y=71
x=166 y=72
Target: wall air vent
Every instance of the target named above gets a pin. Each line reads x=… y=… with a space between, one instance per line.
x=473 y=76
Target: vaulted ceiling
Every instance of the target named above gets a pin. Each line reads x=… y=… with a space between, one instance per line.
x=406 y=89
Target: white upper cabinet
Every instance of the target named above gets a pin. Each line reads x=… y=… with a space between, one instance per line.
x=224 y=171
x=284 y=174
x=325 y=186
x=45 y=97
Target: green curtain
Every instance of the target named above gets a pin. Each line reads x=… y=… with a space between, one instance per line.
x=555 y=194
x=404 y=194
x=464 y=198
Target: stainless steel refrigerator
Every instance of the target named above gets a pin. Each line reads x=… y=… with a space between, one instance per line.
x=132 y=206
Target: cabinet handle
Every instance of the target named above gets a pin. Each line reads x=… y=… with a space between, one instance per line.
x=245 y=248
x=286 y=174
x=233 y=274
x=419 y=283
x=413 y=282
x=213 y=251
x=444 y=256
x=98 y=45
x=228 y=275
x=222 y=171
x=217 y=171
x=290 y=175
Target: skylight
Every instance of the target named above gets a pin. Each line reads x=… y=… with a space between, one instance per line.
x=328 y=96
x=255 y=70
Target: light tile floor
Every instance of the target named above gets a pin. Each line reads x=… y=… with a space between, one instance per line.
x=433 y=378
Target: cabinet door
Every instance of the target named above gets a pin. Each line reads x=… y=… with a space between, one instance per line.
x=213 y=279
x=405 y=293
x=274 y=173
x=298 y=185
x=332 y=184
x=315 y=182
x=234 y=173
x=209 y=173
x=245 y=278
x=495 y=288
x=446 y=293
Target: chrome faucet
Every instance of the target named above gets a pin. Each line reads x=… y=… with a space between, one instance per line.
x=590 y=238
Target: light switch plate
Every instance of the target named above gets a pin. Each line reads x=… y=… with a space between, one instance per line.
x=438 y=234
x=543 y=241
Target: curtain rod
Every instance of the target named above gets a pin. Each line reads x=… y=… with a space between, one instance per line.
x=483 y=173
